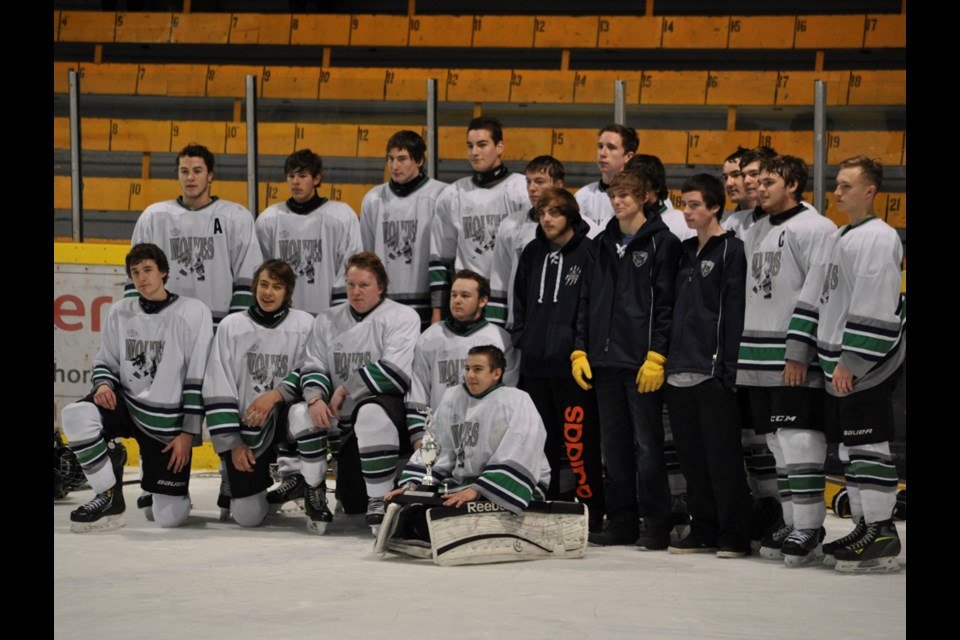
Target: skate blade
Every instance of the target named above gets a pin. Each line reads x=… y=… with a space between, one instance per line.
x=877 y=565
x=829 y=560
x=316 y=527
x=148 y=513
x=814 y=557
x=106 y=523
x=771 y=554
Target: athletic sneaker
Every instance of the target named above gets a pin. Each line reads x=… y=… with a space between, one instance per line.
x=102 y=513
x=691 y=544
x=375 y=511
x=771 y=545
x=621 y=529
x=829 y=548
x=802 y=547
x=875 y=552
x=766 y=518
x=315 y=506
x=731 y=551
x=656 y=536
x=291 y=488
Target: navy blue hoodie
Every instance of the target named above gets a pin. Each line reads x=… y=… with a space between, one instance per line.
x=546 y=302
x=626 y=301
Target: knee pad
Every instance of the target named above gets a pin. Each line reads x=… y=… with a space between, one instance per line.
x=170 y=511
x=81 y=421
x=249 y=511
x=298 y=420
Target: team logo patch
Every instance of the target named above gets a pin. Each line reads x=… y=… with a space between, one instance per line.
x=639 y=258
x=706 y=267
x=573 y=275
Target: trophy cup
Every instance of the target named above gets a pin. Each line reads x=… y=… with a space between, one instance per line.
x=429 y=452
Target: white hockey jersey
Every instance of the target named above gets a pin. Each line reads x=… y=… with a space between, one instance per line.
x=371 y=355
x=212 y=252
x=594 y=204
x=439 y=361
x=465 y=228
x=780 y=251
x=316 y=245
x=155 y=363
x=492 y=443
x=398 y=230
x=246 y=361
x=856 y=316
x=741 y=221
x=516 y=231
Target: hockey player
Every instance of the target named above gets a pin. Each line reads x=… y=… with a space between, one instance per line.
x=147 y=381
x=701 y=371
x=210 y=241
x=857 y=322
x=547 y=301
x=442 y=349
x=623 y=330
x=617 y=144
x=732 y=178
x=356 y=374
x=658 y=199
x=313 y=235
x=470 y=210
x=786 y=399
x=491 y=440
x=252 y=374
x=748 y=210
x=516 y=231
x=395 y=221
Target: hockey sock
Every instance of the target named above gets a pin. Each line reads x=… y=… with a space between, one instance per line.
x=783 y=482
x=379 y=446
x=804 y=452
x=83 y=428
x=170 y=511
x=311 y=443
x=872 y=468
x=853 y=488
x=761 y=466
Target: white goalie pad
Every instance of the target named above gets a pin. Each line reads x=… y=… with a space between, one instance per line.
x=388 y=542
x=483 y=532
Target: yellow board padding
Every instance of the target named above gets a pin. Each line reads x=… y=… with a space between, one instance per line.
x=87 y=253
x=204 y=458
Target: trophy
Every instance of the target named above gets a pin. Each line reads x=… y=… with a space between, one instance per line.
x=429 y=452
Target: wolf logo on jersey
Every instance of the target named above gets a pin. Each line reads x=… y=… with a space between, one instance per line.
x=190 y=253
x=481 y=230
x=465 y=434
x=399 y=236
x=639 y=258
x=763 y=268
x=830 y=280
x=301 y=255
x=573 y=275
x=145 y=356
x=449 y=370
x=706 y=267
x=345 y=364
x=264 y=368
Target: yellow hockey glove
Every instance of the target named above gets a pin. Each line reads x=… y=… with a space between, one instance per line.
x=650 y=377
x=581 y=369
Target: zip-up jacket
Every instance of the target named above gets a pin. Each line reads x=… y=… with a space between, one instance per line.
x=626 y=302
x=546 y=300
x=708 y=311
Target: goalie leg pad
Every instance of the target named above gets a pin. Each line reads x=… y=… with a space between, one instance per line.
x=403 y=531
x=482 y=532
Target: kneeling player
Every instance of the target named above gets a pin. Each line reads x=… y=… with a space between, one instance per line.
x=147 y=379
x=254 y=365
x=491 y=442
